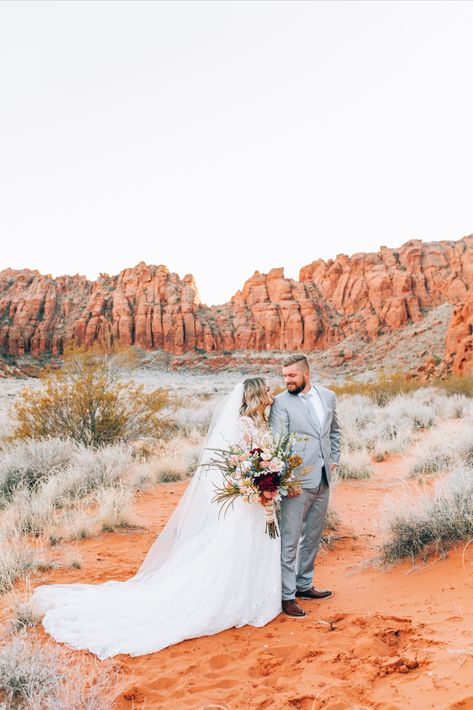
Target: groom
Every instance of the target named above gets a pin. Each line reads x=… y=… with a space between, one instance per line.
x=308 y=410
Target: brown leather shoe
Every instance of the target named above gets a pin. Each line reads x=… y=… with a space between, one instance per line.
x=291 y=608
x=313 y=593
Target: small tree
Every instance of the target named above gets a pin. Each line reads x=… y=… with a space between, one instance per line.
x=87 y=401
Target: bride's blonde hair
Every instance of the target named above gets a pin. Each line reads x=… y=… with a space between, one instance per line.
x=255 y=393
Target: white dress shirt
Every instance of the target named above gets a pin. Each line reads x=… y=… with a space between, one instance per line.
x=312 y=399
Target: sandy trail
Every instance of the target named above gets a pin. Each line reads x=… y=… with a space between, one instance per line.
x=388 y=639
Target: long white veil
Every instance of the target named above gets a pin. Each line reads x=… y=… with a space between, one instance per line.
x=195 y=511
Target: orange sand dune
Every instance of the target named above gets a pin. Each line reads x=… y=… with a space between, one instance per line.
x=389 y=639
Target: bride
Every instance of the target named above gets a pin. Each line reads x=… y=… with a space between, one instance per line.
x=203 y=574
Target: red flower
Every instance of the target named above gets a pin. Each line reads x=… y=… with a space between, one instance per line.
x=268 y=482
x=256 y=451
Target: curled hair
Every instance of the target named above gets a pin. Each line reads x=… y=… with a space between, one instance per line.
x=254 y=394
x=296 y=358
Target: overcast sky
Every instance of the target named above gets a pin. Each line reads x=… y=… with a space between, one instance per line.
x=223 y=137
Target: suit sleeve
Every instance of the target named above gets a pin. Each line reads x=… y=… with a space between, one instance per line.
x=278 y=419
x=335 y=434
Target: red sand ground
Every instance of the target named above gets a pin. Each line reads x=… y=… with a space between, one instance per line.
x=389 y=639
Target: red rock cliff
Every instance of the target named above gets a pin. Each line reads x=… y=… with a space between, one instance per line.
x=365 y=294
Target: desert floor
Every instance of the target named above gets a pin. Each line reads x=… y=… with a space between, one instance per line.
x=390 y=638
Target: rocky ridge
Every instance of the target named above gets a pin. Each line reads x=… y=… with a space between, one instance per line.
x=361 y=297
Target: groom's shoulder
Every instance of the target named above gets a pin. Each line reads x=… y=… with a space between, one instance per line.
x=282 y=397
x=326 y=391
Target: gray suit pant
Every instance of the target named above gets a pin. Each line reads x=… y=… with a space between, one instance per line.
x=301 y=525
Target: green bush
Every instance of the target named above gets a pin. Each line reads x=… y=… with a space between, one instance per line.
x=86 y=401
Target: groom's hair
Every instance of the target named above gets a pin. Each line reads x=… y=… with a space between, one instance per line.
x=299 y=359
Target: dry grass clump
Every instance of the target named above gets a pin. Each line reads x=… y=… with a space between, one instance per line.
x=332 y=520
x=445 y=446
x=38 y=675
x=29 y=463
x=433 y=521
x=354 y=465
x=18 y=559
x=22 y=615
x=382 y=390
x=384 y=430
x=395 y=426
x=192 y=414
x=52 y=484
x=87 y=401
x=178 y=458
x=115 y=509
x=387 y=386
x=457 y=384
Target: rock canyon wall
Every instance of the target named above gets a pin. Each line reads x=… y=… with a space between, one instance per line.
x=147 y=306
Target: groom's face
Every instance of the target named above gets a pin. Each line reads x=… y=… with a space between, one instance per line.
x=296 y=378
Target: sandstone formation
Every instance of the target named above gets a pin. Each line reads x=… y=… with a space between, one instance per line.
x=365 y=295
x=459 y=340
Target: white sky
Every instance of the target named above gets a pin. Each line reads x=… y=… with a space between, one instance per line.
x=223 y=137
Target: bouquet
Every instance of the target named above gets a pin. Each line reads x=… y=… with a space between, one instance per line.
x=262 y=474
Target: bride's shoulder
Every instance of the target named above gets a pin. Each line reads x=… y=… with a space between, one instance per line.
x=248 y=424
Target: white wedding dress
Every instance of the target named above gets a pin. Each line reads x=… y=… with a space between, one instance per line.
x=202 y=575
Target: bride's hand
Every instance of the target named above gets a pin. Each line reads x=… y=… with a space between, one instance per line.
x=294 y=491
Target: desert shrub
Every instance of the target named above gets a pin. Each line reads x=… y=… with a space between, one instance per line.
x=170 y=471
x=87 y=402
x=17 y=559
x=430 y=462
x=47 y=473
x=39 y=675
x=365 y=425
x=445 y=446
x=409 y=408
x=5 y=426
x=93 y=469
x=332 y=520
x=387 y=386
x=443 y=405
x=434 y=521
x=382 y=390
x=74 y=524
x=380 y=452
x=178 y=458
x=94 y=489
x=29 y=463
x=115 y=509
x=457 y=384
x=354 y=465
x=22 y=614
x=189 y=418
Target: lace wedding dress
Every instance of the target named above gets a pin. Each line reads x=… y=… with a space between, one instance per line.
x=202 y=575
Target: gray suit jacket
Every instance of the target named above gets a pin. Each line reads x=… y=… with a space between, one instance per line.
x=289 y=413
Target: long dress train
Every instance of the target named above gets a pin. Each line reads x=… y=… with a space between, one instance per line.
x=227 y=575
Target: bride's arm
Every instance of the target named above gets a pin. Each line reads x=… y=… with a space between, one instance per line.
x=246 y=432
x=278 y=419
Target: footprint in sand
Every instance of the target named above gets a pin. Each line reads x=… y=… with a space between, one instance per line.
x=218 y=662
x=465 y=704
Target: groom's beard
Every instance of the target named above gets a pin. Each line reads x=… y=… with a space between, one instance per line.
x=297 y=390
